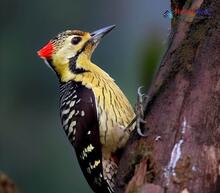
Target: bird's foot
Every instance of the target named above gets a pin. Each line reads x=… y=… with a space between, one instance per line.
x=142 y=101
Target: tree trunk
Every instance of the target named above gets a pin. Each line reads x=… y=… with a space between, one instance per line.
x=181 y=153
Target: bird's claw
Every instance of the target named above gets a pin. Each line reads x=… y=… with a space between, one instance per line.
x=140 y=133
x=138 y=123
x=142 y=99
x=139 y=92
x=143 y=121
x=140 y=106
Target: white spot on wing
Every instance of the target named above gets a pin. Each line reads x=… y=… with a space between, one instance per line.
x=66 y=111
x=69 y=117
x=68 y=102
x=87 y=150
x=66 y=127
x=70 y=131
x=88 y=170
x=71 y=128
x=82 y=113
x=72 y=103
x=93 y=166
x=75 y=96
x=73 y=123
x=90 y=148
x=78 y=101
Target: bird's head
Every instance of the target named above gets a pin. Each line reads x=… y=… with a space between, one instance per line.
x=69 y=52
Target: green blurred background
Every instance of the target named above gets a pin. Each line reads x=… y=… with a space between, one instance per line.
x=33 y=148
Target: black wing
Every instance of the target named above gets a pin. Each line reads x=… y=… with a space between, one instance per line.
x=79 y=118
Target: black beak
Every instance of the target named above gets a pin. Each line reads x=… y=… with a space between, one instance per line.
x=99 y=34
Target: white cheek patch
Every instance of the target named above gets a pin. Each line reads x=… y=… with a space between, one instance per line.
x=48 y=64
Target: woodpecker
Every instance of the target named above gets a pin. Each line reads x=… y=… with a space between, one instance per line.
x=94 y=111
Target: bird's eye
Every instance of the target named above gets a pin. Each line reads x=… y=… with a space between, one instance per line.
x=76 y=40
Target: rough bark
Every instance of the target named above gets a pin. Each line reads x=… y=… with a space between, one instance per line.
x=181 y=153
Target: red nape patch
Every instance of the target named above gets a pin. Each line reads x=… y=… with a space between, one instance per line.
x=46 y=51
